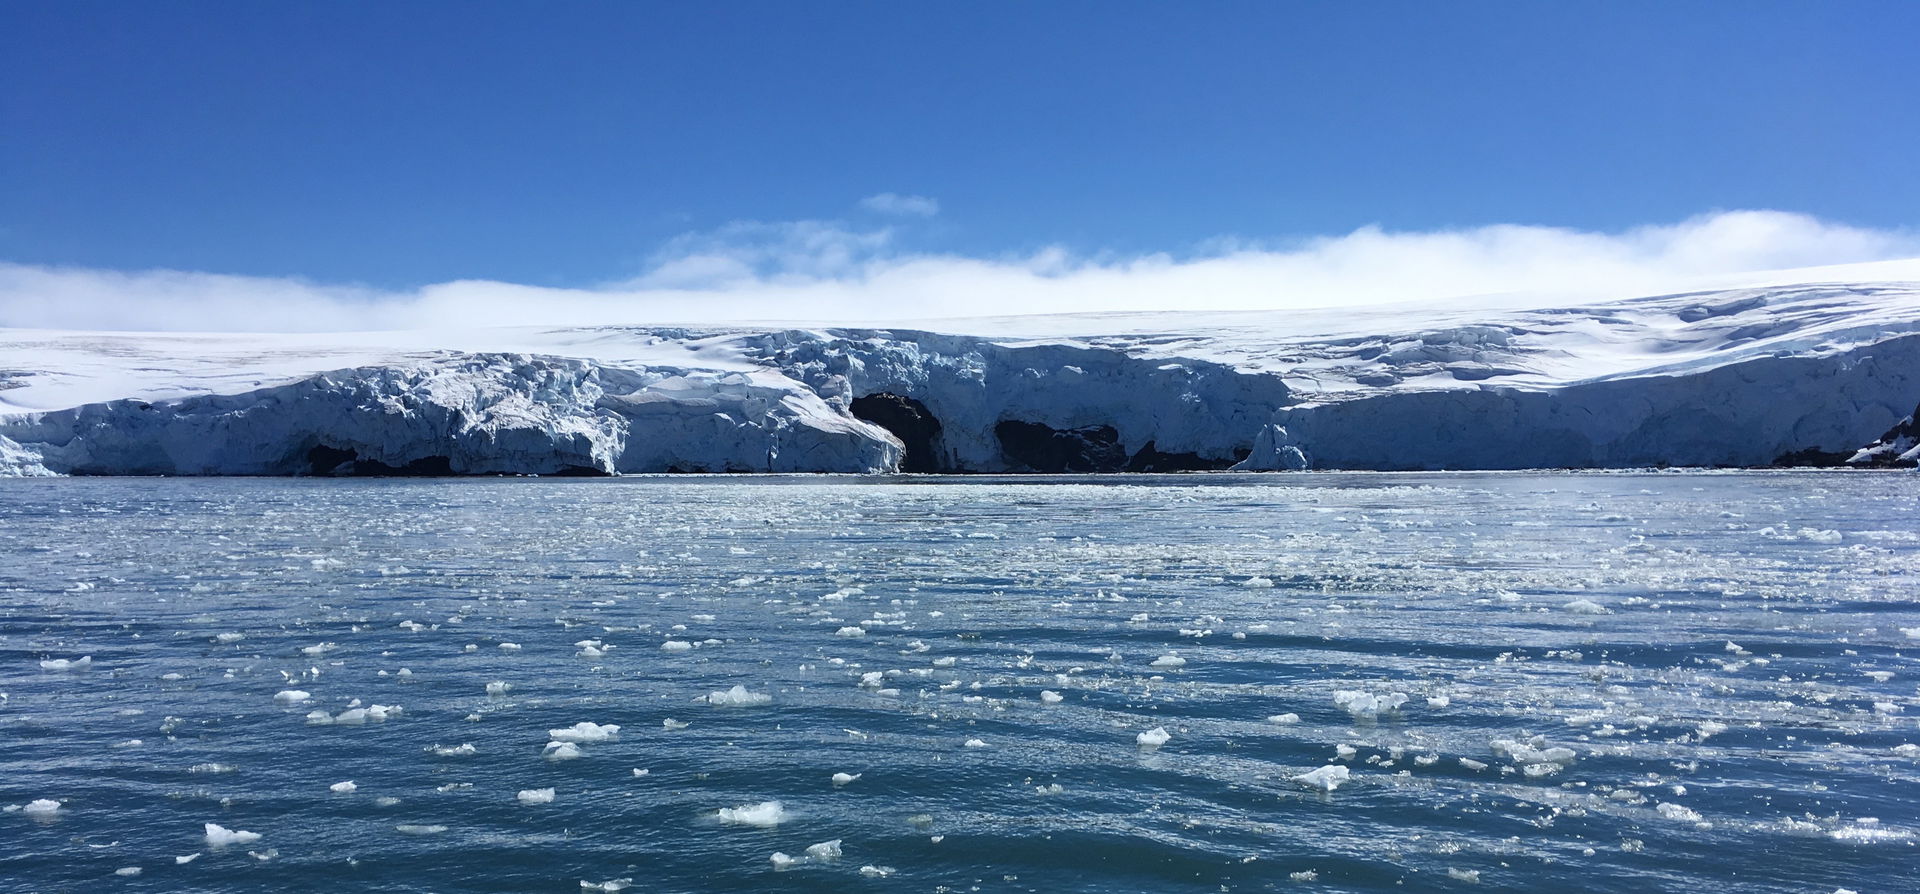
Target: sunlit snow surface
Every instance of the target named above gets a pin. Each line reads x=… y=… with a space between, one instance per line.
x=1594 y=682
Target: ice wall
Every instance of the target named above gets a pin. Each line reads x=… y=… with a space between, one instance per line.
x=463 y=414
x=1743 y=414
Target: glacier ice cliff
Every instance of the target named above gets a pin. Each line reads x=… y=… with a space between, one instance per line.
x=1743 y=377
x=465 y=414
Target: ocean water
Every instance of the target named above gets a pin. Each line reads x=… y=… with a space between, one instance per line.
x=1698 y=682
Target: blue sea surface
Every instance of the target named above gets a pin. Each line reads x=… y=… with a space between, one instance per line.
x=1624 y=682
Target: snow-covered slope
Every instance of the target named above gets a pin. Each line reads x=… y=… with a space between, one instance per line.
x=1732 y=377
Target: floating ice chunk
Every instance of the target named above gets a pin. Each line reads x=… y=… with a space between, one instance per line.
x=182 y=861
x=508 y=647
x=782 y=861
x=463 y=749
x=292 y=696
x=41 y=807
x=1584 y=607
x=1284 y=718
x=1472 y=764
x=562 y=751
x=1169 y=660
x=499 y=687
x=1672 y=811
x=1907 y=750
x=1154 y=738
x=343 y=788
x=850 y=631
x=945 y=661
x=532 y=797
x=765 y=814
x=228 y=639
x=419 y=829
x=876 y=871
x=610 y=885
x=1050 y=697
x=1533 y=751
x=976 y=743
x=1366 y=705
x=840 y=779
x=825 y=850
x=638 y=772
x=1304 y=875
x=319 y=718
x=1326 y=778
x=676 y=645
x=585 y=732
x=1258 y=583
x=738 y=697
x=1470 y=876
x=127 y=871
x=671 y=723
x=1345 y=752
x=67 y=664
x=221 y=836
x=1911 y=632
x=315 y=651
x=1438 y=701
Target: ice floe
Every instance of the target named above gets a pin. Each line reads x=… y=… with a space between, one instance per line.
x=1326 y=778
x=738 y=697
x=221 y=836
x=765 y=814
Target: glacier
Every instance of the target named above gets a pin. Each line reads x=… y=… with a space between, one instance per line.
x=1808 y=373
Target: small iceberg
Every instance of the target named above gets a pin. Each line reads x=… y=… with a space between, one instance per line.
x=1154 y=738
x=65 y=664
x=840 y=779
x=765 y=814
x=1326 y=778
x=738 y=697
x=1366 y=705
x=585 y=733
x=535 y=796
x=221 y=836
x=825 y=850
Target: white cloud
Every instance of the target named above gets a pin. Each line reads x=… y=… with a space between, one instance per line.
x=828 y=272
x=901 y=206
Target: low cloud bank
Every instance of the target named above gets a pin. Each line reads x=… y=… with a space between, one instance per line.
x=831 y=272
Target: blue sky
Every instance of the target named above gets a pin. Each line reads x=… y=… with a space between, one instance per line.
x=397 y=145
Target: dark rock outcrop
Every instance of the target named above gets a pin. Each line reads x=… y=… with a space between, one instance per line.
x=1037 y=447
x=1898 y=448
x=1149 y=459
